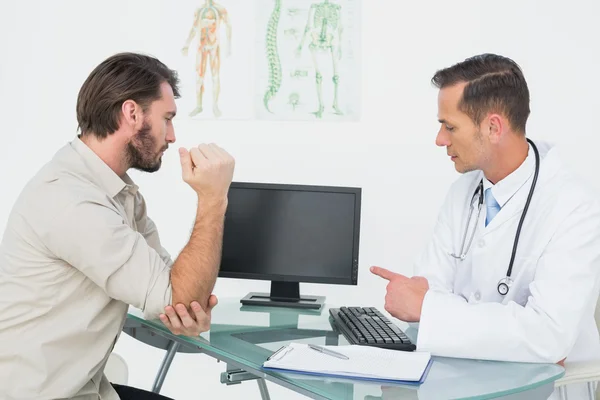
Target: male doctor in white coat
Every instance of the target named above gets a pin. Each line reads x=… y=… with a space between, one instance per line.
x=460 y=295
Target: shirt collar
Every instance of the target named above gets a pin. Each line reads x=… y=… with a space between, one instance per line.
x=102 y=174
x=507 y=187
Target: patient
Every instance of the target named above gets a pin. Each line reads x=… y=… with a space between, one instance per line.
x=79 y=247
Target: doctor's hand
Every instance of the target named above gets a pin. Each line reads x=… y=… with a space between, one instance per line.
x=180 y=322
x=404 y=297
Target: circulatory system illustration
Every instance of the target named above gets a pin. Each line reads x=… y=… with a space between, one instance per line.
x=207 y=22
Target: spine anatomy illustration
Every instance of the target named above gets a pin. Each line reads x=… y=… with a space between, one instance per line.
x=273 y=60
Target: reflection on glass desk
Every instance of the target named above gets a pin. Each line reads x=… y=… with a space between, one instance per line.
x=245 y=336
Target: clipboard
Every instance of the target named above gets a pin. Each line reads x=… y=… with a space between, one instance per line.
x=365 y=363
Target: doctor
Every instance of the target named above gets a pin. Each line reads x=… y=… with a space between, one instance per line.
x=513 y=270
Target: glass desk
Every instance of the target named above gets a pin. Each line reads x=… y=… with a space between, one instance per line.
x=245 y=336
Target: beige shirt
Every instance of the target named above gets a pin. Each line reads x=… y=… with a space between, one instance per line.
x=77 y=250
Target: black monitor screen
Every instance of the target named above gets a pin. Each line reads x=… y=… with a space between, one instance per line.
x=291 y=233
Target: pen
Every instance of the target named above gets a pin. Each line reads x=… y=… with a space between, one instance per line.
x=327 y=351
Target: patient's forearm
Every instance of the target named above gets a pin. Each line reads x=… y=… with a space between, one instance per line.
x=196 y=268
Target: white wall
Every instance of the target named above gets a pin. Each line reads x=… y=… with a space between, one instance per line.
x=48 y=48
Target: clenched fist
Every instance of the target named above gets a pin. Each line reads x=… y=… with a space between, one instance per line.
x=208 y=169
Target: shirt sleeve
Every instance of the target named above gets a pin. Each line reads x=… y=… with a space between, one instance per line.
x=563 y=293
x=94 y=238
x=147 y=228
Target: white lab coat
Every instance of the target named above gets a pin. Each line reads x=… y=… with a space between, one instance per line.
x=548 y=314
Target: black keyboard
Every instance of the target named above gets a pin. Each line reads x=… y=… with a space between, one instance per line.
x=366 y=326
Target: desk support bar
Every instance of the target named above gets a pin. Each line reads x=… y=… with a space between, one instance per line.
x=164 y=367
x=264 y=392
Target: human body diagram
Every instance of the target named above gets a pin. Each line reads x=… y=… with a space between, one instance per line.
x=208 y=20
x=324 y=32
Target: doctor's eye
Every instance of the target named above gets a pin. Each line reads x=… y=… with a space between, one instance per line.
x=449 y=128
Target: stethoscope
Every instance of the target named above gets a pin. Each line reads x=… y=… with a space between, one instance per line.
x=505 y=283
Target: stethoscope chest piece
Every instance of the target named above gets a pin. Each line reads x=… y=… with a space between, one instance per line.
x=504 y=285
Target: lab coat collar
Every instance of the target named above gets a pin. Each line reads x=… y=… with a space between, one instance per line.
x=549 y=165
x=505 y=189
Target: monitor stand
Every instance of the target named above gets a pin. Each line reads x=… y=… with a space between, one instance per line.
x=284 y=294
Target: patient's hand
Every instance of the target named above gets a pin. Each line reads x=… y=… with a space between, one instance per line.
x=179 y=321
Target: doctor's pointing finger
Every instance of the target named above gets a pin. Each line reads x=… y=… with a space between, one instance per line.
x=385 y=273
x=404 y=296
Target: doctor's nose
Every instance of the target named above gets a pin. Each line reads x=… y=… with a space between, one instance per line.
x=442 y=138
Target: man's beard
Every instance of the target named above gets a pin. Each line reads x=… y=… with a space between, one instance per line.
x=141 y=153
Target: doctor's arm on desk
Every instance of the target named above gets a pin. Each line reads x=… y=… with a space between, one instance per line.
x=564 y=290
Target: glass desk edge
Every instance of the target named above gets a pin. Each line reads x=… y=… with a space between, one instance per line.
x=290 y=380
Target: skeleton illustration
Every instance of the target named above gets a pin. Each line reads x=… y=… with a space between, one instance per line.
x=324 y=27
x=294 y=100
x=207 y=20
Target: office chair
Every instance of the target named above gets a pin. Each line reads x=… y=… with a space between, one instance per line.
x=116 y=369
x=582 y=372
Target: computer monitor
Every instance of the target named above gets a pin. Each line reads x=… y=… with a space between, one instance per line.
x=290 y=234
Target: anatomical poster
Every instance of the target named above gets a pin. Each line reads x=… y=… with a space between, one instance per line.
x=214 y=45
x=307 y=60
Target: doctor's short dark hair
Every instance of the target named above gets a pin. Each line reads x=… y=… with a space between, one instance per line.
x=494 y=84
x=121 y=77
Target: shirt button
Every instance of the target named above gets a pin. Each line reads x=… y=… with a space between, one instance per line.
x=481 y=243
x=477 y=296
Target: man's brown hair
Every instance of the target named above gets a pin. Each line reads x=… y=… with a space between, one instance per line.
x=121 y=77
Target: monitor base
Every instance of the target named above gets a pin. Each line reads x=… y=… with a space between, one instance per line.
x=265 y=299
x=284 y=294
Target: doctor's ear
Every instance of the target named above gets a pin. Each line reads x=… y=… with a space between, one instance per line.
x=495 y=128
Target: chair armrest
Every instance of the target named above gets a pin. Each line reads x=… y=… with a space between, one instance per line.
x=580 y=371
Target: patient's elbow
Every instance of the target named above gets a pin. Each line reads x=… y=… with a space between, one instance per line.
x=156 y=302
x=153 y=312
